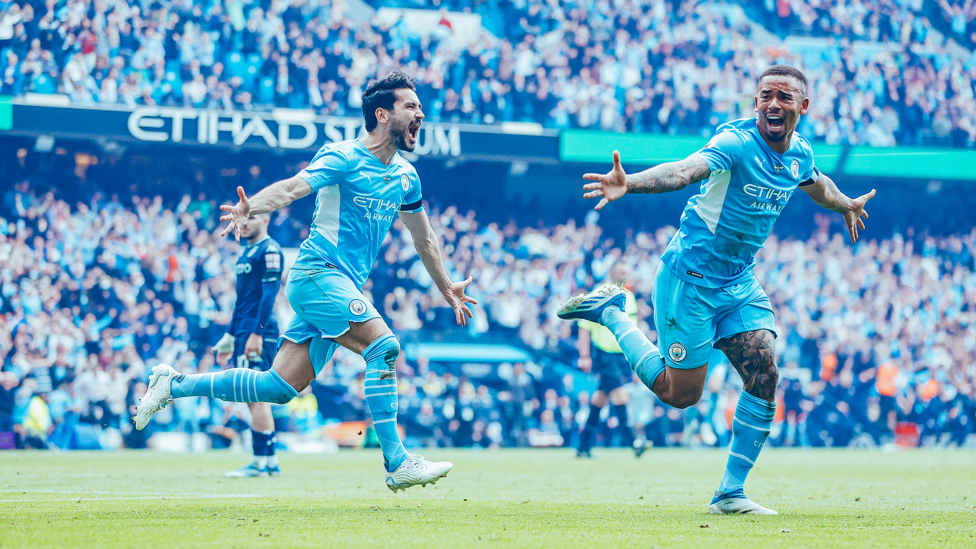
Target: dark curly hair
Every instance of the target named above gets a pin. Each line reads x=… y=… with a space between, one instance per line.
x=382 y=94
x=786 y=70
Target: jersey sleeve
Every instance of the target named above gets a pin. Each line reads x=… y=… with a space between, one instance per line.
x=327 y=168
x=272 y=265
x=811 y=174
x=811 y=178
x=722 y=151
x=413 y=199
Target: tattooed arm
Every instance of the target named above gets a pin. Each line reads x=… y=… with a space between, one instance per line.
x=663 y=178
x=670 y=176
x=753 y=354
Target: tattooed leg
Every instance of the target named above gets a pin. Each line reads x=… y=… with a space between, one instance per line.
x=753 y=355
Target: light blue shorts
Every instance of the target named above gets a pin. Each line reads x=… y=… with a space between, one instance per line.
x=690 y=319
x=325 y=302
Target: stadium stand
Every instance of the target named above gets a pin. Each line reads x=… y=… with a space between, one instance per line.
x=876 y=339
x=882 y=72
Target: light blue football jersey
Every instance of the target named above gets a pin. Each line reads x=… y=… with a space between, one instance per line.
x=724 y=225
x=358 y=198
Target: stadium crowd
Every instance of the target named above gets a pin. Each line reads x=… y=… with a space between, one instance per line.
x=873 y=338
x=874 y=20
x=672 y=66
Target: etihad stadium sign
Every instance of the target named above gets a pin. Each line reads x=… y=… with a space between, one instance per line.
x=286 y=129
x=279 y=129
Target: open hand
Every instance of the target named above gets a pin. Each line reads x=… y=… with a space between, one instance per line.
x=455 y=297
x=852 y=217
x=611 y=186
x=236 y=215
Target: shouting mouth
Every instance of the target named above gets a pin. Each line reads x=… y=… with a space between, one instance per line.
x=775 y=122
x=413 y=130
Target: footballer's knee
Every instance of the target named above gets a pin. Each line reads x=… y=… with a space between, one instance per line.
x=753 y=355
x=386 y=347
x=391 y=351
x=294 y=364
x=766 y=380
x=682 y=400
x=682 y=397
x=681 y=388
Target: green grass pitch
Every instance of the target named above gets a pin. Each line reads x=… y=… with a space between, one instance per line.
x=507 y=498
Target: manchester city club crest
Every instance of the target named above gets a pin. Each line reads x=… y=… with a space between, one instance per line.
x=795 y=169
x=405 y=181
x=677 y=352
x=357 y=307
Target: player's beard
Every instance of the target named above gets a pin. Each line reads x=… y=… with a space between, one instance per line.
x=784 y=133
x=399 y=136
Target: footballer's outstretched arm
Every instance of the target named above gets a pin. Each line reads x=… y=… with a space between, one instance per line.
x=825 y=193
x=663 y=178
x=429 y=250
x=267 y=200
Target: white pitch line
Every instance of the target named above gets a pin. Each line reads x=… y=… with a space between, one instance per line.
x=29 y=490
x=32 y=491
x=175 y=496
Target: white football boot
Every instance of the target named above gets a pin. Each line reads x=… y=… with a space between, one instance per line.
x=591 y=306
x=157 y=396
x=738 y=506
x=416 y=470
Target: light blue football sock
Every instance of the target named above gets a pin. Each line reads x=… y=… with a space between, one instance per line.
x=235 y=385
x=750 y=429
x=642 y=355
x=381 y=397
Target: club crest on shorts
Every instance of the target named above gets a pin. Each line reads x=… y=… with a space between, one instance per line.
x=357 y=307
x=795 y=168
x=404 y=181
x=677 y=352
